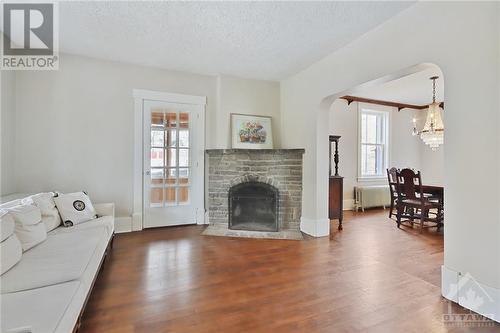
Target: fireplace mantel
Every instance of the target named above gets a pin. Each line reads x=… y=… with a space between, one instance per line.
x=281 y=168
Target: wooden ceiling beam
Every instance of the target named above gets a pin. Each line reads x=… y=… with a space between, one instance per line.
x=400 y=106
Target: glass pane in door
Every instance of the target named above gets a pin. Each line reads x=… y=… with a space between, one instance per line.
x=157 y=176
x=184 y=138
x=156 y=197
x=156 y=138
x=170 y=119
x=170 y=157
x=183 y=176
x=184 y=120
x=157 y=157
x=183 y=157
x=170 y=196
x=171 y=137
x=157 y=118
x=171 y=176
x=183 y=195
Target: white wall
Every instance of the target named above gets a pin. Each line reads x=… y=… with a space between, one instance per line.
x=237 y=95
x=462 y=38
x=75 y=126
x=405 y=149
x=8 y=120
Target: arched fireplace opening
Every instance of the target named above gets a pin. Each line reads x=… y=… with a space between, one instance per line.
x=253 y=206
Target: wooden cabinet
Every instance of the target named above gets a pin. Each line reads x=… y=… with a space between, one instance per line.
x=336 y=184
x=336 y=199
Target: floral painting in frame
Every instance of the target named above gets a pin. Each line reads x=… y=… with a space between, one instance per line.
x=251 y=132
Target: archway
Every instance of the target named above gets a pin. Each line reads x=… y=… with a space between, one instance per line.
x=323 y=124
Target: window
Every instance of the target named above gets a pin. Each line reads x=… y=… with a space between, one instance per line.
x=373 y=143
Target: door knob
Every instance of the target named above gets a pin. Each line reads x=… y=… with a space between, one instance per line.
x=148 y=172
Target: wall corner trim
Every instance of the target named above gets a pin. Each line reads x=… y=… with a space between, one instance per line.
x=315 y=227
x=449 y=281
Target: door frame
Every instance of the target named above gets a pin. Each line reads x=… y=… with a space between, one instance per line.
x=139 y=96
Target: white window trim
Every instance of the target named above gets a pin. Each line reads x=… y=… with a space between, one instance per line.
x=375 y=108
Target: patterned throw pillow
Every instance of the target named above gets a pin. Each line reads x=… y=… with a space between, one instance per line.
x=74 y=208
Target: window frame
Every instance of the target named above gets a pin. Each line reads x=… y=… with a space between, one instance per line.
x=385 y=111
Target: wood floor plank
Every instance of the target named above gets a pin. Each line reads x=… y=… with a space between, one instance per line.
x=370 y=277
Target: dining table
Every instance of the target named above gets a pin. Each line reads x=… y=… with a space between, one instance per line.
x=435 y=191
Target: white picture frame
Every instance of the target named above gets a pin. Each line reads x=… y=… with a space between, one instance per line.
x=251 y=131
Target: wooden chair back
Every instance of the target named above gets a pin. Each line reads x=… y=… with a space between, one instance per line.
x=392 y=173
x=405 y=180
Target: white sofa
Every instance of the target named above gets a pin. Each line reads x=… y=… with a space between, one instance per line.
x=48 y=289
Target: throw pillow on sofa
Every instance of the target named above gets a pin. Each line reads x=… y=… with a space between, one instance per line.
x=10 y=253
x=6 y=225
x=75 y=208
x=47 y=205
x=29 y=228
x=10 y=246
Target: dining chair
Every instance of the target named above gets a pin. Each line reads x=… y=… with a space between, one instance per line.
x=391 y=178
x=411 y=198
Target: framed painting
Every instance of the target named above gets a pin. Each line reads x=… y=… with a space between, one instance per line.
x=251 y=132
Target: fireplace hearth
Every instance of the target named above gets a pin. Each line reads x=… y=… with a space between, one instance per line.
x=253 y=206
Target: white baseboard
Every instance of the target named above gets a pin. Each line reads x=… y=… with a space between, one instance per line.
x=315 y=228
x=471 y=294
x=348 y=204
x=137 y=221
x=123 y=224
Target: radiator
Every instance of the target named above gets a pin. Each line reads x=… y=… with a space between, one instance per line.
x=371 y=196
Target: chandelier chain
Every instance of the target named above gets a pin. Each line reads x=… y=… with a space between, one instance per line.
x=434 y=90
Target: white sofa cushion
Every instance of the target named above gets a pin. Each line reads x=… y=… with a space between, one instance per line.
x=62 y=257
x=104 y=222
x=10 y=253
x=6 y=225
x=45 y=201
x=30 y=235
x=26 y=214
x=75 y=208
x=39 y=310
x=28 y=226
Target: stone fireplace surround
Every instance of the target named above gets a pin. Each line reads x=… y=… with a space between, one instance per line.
x=281 y=168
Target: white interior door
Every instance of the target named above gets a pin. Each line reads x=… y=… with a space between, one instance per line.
x=173 y=163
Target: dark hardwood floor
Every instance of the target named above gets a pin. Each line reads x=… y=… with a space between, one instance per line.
x=371 y=277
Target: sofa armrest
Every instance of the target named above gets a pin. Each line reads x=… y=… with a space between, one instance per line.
x=105 y=209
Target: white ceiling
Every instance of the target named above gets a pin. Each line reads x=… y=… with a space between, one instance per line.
x=411 y=89
x=263 y=40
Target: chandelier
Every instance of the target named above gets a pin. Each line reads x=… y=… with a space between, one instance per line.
x=433 y=132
